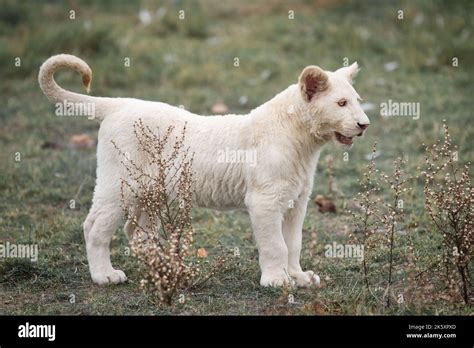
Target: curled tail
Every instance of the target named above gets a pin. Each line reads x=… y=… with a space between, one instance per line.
x=56 y=94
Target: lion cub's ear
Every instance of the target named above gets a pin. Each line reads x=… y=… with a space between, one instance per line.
x=349 y=72
x=312 y=81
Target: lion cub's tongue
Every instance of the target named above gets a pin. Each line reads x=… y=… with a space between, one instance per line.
x=344 y=140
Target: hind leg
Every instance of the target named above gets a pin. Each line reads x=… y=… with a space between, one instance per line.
x=99 y=227
x=143 y=221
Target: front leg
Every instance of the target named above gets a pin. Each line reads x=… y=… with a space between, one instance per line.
x=292 y=232
x=266 y=220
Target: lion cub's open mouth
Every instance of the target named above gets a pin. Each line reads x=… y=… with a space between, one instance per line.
x=343 y=139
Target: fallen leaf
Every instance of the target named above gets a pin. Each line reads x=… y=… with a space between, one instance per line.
x=220 y=108
x=325 y=205
x=202 y=253
x=82 y=141
x=51 y=145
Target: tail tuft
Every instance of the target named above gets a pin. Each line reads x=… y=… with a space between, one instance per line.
x=86 y=81
x=63 y=61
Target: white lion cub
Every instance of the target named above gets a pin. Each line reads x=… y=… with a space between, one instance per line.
x=286 y=135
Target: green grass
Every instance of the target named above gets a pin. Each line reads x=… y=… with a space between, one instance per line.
x=190 y=62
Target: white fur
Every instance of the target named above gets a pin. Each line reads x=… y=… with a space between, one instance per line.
x=286 y=133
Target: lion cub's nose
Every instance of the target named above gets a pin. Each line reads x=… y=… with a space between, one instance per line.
x=363 y=125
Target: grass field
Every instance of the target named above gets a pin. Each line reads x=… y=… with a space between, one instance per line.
x=190 y=62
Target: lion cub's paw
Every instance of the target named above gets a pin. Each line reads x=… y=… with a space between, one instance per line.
x=115 y=276
x=305 y=279
x=276 y=279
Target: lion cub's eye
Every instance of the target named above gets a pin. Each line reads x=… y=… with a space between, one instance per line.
x=342 y=102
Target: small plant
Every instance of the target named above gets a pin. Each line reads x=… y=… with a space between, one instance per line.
x=394 y=214
x=449 y=201
x=365 y=219
x=377 y=223
x=161 y=187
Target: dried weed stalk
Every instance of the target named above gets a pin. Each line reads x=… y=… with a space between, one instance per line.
x=365 y=219
x=394 y=214
x=157 y=199
x=377 y=223
x=449 y=201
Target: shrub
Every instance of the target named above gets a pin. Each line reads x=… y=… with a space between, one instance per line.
x=449 y=201
x=378 y=223
x=449 y=198
x=160 y=217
